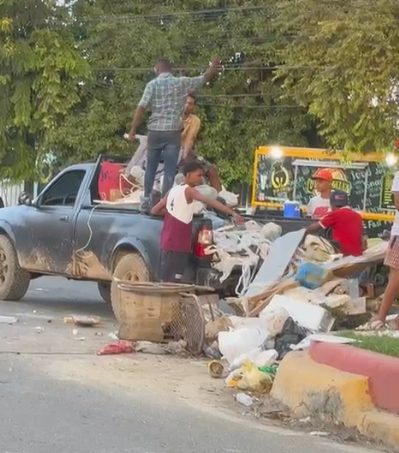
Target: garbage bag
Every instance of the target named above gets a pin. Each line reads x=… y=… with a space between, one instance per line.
x=291 y=334
x=237 y=342
x=249 y=378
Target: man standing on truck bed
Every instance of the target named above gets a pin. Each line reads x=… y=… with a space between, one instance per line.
x=176 y=234
x=165 y=97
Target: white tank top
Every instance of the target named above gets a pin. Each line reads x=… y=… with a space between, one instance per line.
x=177 y=206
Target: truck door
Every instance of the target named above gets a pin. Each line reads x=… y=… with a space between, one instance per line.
x=49 y=225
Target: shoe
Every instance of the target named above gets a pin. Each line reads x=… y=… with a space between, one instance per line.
x=145 y=205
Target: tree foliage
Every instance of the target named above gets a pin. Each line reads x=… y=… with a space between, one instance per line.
x=342 y=65
x=71 y=76
x=39 y=74
x=239 y=111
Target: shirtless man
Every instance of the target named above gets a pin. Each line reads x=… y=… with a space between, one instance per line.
x=191 y=127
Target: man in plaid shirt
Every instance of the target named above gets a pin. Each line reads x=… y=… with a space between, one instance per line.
x=165 y=96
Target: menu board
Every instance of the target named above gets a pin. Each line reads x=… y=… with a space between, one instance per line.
x=368 y=184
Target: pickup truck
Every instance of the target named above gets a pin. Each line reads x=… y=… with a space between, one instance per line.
x=65 y=231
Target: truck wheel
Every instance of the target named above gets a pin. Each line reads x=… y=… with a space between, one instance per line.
x=104 y=289
x=130 y=268
x=14 y=281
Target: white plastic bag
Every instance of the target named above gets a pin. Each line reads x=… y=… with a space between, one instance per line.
x=237 y=342
x=258 y=356
x=230 y=198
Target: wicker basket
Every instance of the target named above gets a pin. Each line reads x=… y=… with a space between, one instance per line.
x=161 y=312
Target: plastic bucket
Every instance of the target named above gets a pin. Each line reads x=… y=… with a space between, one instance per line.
x=291 y=210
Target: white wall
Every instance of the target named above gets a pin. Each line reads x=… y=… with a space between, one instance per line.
x=10 y=192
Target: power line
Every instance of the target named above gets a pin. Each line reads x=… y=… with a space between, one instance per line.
x=166 y=14
x=223 y=68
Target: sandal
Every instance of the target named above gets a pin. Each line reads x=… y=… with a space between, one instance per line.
x=375 y=324
x=393 y=324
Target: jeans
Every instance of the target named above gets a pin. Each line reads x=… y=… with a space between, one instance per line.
x=165 y=144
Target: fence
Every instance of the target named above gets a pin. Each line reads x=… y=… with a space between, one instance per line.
x=10 y=192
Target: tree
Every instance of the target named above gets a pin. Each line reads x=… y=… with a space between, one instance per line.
x=40 y=71
x=242 y=109
x=342 y=65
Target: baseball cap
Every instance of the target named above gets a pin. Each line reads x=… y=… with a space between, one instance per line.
x=338 y=198
x=323 y=173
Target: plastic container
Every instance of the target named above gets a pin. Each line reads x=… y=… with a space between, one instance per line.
x=291 y=210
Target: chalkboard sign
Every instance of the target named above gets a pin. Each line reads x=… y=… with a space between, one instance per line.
x=368 y=184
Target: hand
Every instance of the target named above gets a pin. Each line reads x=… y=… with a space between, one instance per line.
x=237 y=219
x=131 y=136
x=216 y=62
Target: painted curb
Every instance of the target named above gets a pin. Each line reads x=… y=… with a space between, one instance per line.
x=382 y=371
x=309 y=388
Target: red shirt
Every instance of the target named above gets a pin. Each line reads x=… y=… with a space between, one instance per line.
x=347 y=230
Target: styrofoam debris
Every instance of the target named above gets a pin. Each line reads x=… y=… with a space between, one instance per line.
x=307 y=315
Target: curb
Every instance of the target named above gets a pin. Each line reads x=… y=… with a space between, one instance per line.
x=309 y=388
x=382 y=371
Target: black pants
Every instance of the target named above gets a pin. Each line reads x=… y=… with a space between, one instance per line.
x=174 y=266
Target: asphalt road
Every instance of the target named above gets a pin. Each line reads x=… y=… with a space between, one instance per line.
x=57 y=396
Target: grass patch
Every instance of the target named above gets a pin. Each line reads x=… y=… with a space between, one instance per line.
x=376 y=343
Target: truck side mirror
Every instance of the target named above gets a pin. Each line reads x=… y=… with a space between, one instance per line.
x=25 y=199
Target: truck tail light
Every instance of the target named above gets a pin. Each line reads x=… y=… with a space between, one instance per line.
x=204 y=240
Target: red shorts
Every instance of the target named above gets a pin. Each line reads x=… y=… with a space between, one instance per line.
x=392 y=256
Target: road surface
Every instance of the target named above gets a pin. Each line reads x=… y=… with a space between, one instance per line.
x=56 y=395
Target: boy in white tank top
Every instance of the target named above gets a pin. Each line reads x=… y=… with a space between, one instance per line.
x=176 y=234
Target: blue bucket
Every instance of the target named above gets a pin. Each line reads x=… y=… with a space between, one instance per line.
x=291 y=210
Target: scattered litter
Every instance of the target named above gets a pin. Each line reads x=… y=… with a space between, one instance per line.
x=83 y=321
x=148 y=347
x=99 y=334
x=319 y=433
x=8 y=320
x=75 y=332
x=113 y=335
x=237 y=342
x=80 y=339
x=176 y=347
x=248 y=377
x=39 y=329
x=306 y=315
x=322 y=338
x=259 y=357
x=215 y=369
x=311 y=275
x=291 y=334
x=119 y=347
x=244 y=399
x=213 y=328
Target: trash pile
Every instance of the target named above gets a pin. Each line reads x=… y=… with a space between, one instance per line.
x=297 y=290
x=133 y=181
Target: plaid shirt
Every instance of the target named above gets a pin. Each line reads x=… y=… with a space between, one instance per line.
x=165 y=96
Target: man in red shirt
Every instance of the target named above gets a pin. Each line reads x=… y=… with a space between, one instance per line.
x=345 y=224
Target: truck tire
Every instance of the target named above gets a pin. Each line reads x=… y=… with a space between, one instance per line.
x=130 y=267
x=104 y=289
x=14 y=281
